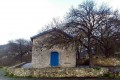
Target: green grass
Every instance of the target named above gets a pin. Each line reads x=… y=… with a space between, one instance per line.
x=97 y=68
x=111 y=75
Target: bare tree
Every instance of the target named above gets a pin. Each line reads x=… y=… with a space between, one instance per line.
x=55 y=23
x=89 y=23
x=20 y=47
x=109 y=36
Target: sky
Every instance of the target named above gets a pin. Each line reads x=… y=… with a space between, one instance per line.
x=26 y=18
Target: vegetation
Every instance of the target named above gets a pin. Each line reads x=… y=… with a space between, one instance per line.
x=15 y=52
x=111 y=75
x=91 y=29
x=94 y=29
x=20 y=47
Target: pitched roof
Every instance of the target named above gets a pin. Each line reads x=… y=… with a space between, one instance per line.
x=51 y=30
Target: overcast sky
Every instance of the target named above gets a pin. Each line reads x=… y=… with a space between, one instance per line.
x=25 y=18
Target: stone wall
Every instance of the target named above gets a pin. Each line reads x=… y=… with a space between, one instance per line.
x=106 y=61
x=58 y=72
x=41 y=55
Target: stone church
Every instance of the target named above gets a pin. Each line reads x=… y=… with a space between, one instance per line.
x=53 y=57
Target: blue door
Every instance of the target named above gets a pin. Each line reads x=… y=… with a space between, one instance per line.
x=54 y=59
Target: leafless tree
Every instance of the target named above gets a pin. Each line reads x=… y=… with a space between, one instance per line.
x=20 y=47
x=90 y=23
x=55 y=23
x=109 y=36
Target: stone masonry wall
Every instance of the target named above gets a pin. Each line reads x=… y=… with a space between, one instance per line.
x=106 y=61
x=57 y=72
x=41 y=55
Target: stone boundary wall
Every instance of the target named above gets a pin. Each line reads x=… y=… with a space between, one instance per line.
x=107 y=62
x=57 y=72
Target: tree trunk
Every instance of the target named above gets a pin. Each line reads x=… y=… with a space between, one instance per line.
x=90 y=52
x=78 y=53
x=91 y=60
x=21 y=58
x=77 y=56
